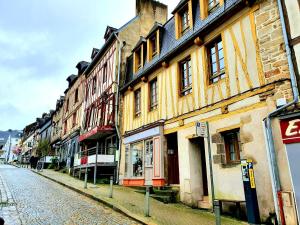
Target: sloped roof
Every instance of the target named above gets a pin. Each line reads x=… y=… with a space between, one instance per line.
x=180 y=4
x=138 y=44
x=170 y=45
x=154 y=28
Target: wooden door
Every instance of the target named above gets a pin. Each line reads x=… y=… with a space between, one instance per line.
x=173 y=166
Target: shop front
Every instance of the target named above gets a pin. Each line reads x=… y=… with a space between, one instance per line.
x=144 y=156
x=290 y=131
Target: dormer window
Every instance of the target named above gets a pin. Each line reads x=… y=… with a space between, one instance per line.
x=153 y=42
x=212 y=5
x=185 y=19
x=209 y=6
x=139 y=58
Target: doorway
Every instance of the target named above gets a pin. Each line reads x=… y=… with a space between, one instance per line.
x=172 y=152
x=198 y=167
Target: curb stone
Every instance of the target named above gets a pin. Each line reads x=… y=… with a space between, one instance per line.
x=115 y=207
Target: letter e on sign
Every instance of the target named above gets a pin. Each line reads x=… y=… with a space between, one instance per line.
x=290 y=130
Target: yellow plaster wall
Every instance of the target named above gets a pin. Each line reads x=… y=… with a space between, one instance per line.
x=243 y=70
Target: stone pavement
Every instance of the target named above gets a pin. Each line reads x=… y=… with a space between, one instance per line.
x=131 y=203
x=8 y=208
x=29 y=199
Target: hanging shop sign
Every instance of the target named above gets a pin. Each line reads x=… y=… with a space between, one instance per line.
x=290 y=130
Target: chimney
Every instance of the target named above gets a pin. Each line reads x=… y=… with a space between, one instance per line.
x=156 y=10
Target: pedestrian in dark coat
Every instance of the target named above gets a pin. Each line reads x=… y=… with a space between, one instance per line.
x=31 y=161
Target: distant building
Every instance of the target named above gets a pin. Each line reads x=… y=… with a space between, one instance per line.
x=11 y=147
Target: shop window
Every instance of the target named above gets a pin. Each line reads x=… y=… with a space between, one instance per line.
x=153 y=94
x=149 y=153
x=232 y=146
x=111 y=145
x=105 y=73
x=216 y=61
x=76 y=96
x=127 y=160
x=137 y=102
x=137 y=159
x=185 y=76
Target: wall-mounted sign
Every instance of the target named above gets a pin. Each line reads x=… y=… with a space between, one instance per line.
x=201 y=129
x=290 y=130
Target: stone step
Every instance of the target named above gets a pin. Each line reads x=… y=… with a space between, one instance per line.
x=204 y=205
x=162 y=198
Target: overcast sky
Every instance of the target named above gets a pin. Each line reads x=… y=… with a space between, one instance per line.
x=40 y=44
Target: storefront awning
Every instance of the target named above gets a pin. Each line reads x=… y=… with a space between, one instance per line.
x=97 y=133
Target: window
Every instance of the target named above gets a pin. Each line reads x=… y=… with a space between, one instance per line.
x=232 y=149
x=216 y=61
x=65 y=127
x=76 y=95
x=105 y=73
x=94 y=85
x=185 y=19
x=127 y=160
x=149 y=153
x=153 y=42
x=212 y=5
x=137 y=102
x=67 y=106
x=137 y=159
x=186 y=76
x=139 y=58
x=74 y=120
x=153 y=94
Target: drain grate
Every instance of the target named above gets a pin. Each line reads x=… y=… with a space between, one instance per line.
x=7 y=204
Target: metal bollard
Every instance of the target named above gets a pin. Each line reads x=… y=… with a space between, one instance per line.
x=147 y=202
x=85 y=178
x=217 y=209
x=111 y=187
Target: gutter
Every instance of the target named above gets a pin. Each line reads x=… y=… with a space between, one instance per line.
x=276 y=186
x=117 y=105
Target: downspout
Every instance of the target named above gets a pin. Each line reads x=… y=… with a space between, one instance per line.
x=276 y=186
x=121 y=46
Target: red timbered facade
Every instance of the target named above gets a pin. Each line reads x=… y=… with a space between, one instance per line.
x=99 y=101
x=98 y=139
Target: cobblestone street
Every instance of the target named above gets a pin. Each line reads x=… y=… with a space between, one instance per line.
x=27 y=199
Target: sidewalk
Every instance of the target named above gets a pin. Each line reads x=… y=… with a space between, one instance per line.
x=127 y=201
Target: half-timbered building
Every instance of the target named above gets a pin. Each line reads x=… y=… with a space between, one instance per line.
x=100 y=136
x=72 y=116
x=196 y=93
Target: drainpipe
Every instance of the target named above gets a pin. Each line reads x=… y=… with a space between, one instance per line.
x=121 y=46
x=276 y=186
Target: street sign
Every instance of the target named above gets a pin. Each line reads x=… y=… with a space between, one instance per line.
x=201 y=129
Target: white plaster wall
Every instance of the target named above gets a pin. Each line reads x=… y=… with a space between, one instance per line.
x=293 y=11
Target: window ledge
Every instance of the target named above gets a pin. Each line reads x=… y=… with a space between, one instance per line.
x=231 y=164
